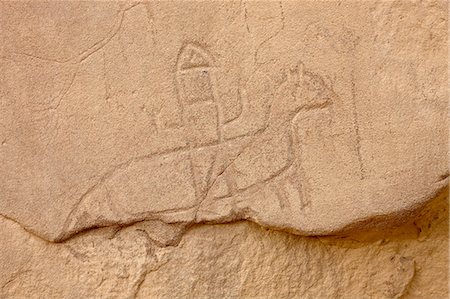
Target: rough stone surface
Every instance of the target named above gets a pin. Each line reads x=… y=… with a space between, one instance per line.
x=125 y=125
x=297 y=115
x=152 y=259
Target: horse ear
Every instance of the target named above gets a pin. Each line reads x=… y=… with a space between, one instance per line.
x=294 y=74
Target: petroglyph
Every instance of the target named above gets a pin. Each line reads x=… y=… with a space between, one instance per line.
x=192 y=117
x=279 y=146
x=255 y=105
x=200 y=110
x=131 y=132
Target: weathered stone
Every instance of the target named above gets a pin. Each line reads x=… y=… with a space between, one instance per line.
x=303 y=116
x=148 y=119
x=156 y=260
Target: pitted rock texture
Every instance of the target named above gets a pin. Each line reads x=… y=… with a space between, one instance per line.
x=152 y=259
x=310 y=117
x=131 y=132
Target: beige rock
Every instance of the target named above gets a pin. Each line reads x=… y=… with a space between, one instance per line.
x=126 y=125
x=245 y=261
x=304 y=116
x=152 y=259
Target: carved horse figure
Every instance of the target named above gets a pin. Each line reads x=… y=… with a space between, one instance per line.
x=276 y=149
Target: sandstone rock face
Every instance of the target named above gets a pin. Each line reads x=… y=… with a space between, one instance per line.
x=152 y=259
x=307 y=117
x=150 y=119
